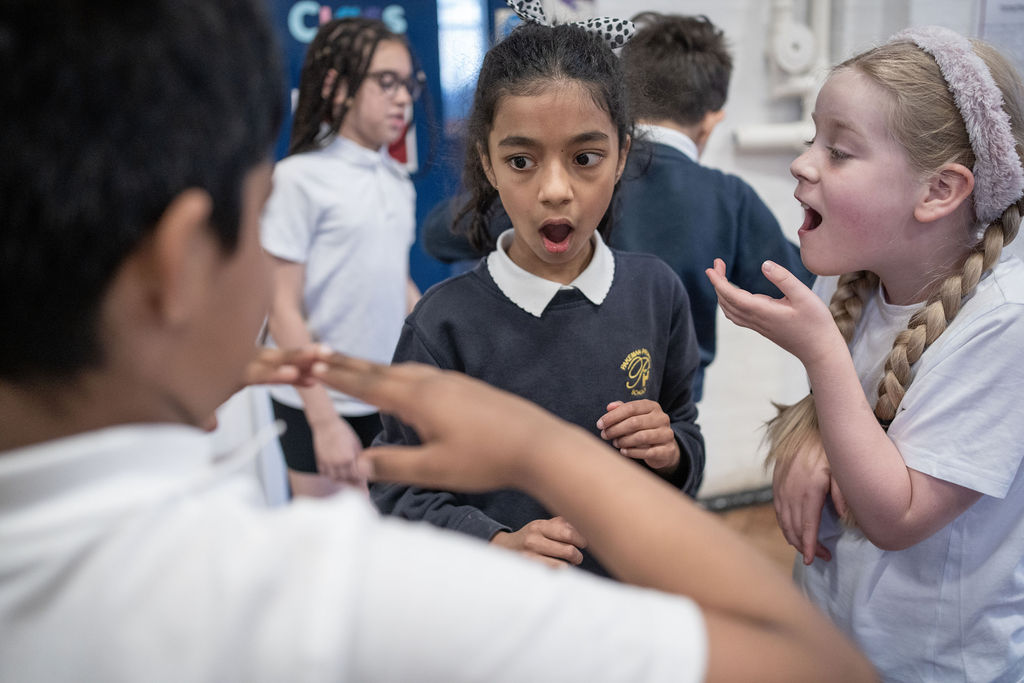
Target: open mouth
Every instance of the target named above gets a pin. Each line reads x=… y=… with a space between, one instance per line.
x=556 y=237
x=812 y=219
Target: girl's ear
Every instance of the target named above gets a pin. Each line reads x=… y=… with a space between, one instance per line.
x=485 y=163
x=945 y=192
x=623 y=154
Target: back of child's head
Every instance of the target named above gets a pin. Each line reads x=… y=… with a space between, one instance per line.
x=923 y=117
x=110 y=110
x=346 y=48
x=677 y=68
x=530 y=61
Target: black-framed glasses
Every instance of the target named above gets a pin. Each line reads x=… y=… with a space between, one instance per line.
x=389 y=82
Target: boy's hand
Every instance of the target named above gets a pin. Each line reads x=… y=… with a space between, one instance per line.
x=552 y=541
x=280 y=366
x=454 y=416
x=641 y=430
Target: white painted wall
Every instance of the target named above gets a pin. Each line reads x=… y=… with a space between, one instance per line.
x=749 y=372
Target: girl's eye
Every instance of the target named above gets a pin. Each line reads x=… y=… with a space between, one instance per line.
x=808 y=143
x=520 y=163
x=589 y=159
x=837 y=155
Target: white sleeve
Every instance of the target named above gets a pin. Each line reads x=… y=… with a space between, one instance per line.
x=372 y=598
x=437 y=606
x=290 y=216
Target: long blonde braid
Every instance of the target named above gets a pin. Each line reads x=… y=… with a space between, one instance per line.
x=931 y=320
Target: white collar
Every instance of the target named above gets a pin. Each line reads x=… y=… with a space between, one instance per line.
x=667 y=136
x=124 y=463
x=532 y=293
x=352 y=151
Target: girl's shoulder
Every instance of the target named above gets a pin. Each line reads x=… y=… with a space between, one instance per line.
x=1008 y=278
x=457 y=292
x=645 y=277
x=996 y=304
x=642 y=267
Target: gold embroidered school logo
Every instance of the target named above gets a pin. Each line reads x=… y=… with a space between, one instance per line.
x=637 y=367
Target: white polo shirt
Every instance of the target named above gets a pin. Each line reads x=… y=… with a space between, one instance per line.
x=348 y=214
x=133 y=554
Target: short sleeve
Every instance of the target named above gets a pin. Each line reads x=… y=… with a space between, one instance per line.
x=289 y=217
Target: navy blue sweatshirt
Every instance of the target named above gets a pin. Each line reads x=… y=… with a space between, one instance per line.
x=573 y=360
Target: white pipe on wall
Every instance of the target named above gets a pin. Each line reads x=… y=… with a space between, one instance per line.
x=801 y=53
x=774 y=137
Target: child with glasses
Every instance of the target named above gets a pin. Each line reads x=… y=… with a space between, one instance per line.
x=339 y=224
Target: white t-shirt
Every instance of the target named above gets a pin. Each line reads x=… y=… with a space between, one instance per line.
x=133 y=554
x=348 y=214
x=950 y=608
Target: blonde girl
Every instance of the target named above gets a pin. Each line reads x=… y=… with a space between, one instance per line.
x=911 y=188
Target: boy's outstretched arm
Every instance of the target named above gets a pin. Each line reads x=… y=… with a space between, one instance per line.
x=759 y=627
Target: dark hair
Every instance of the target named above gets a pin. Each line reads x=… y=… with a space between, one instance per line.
x=531 y=59
x=347 y=46
x=677 y=68
x=109 y=110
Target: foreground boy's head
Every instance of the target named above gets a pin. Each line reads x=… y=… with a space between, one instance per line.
x=136 y=140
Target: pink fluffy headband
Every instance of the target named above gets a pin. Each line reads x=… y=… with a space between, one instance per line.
x=998 y=176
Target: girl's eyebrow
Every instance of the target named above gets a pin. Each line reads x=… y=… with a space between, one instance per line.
x=523 y=141
x=841 y=124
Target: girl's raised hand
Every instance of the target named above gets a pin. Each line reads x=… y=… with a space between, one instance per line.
x=799 y=322
x=641 y=430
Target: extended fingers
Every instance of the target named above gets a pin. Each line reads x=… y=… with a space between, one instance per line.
x=787 y=283
x=353 y=376
x=281 y=366
x=725 y=289
x=392 y=388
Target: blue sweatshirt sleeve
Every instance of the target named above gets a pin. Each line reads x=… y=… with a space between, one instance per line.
x=440 y=508
x=677 y=398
